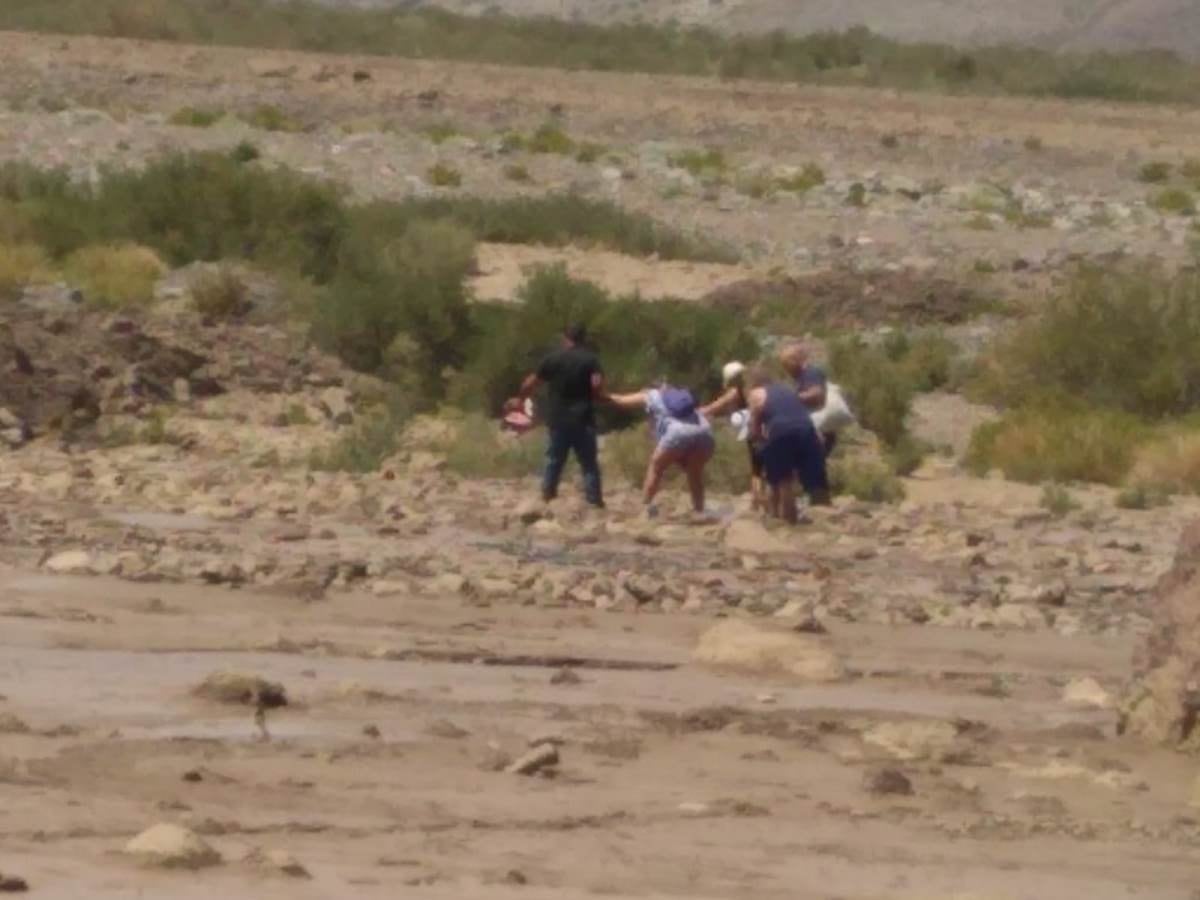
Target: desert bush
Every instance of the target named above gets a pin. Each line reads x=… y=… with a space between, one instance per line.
x=1057 y=500
x=856 y=196
x=865 y=479
x=625 y=453
x=443 y=175
x=1175 y=201
x=196 y=117
x=374 y=437
x=1034 y=144
x=641 y=342
x=20 y=266
x=1092 y=343
x=1154 y=172
x=550 y=138
x=907 y=454
x=219 y=293
x=1057 y=444
x=588 y=153
x=518 y=173
x=806 y=179
x=1170 y=463
x=244 y=152
x=1141 y=496
x=385 y=287
x=266 y=117
x=1191 y=169
x=117 y=276
x=440 y=132
x=700 y=163
x=479 y=449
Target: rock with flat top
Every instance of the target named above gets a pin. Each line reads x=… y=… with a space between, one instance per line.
x=169 y=846
x=739 y=645
x=540 y=758
x=70 y=562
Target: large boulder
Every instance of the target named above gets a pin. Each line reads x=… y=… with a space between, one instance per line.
x=168 y=846
x=741 y=646
x=1162 y=703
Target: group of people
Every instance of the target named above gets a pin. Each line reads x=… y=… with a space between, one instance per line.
x=773 y=417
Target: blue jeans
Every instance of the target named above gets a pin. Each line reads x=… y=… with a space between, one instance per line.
x=582 y=440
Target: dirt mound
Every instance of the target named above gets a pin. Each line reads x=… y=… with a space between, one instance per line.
x=1163 y=703
x=739 y=646
x=846 y=299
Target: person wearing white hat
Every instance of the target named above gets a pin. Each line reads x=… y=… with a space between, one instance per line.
x=733 y=402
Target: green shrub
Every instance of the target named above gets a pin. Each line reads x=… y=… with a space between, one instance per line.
x=700 y=163
x=1057 y=444
x=550 y=138
x=1091 y=344
x=639 y=341
x=361 y=448
x=219 y=293
x=1141 y=496
x=857 y=195
x=244 y=152
x=196 y=117
x=117 y=276
x=879 y=389
x=906 y=456
x=20 y=266
x=865 y=480
x=387 y=286
x=271 y=118
x=1170 y=462
x=440 y=132
x=1057 y=500
x=588 y=153
x=805 y=180
x=1175 y=201
x=1034 y=144
x=443 y=175
x=889 y=142
x=517 y=173
x=625 y=453
x=1154 y=172
x=479 y=449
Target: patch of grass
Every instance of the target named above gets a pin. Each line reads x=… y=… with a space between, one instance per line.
x=1034 y=144
x=440 y=132
x=866 y=480
x=244 y=152
x=805 y=180
x=980 y=222
x=518 y=173
x=550 y=138
x=1141 y=496
x=1191 y=169
x=115 y=276
x=1057 y=444
x=856 y=196
x=889 y=141
x=626 y=453
x=1174 y=201
x=297 y=415
x=1169 y=463
x=1057 y=500
x=588 y=152
x=364 y=446
x=443 y=175
x=271 y=118
x=20 y=266
x=219 y=293
x=984 y=266
x=480 y=450
x=855 y=57
x=196 y=117
x=704 y=163
x=1154 y=173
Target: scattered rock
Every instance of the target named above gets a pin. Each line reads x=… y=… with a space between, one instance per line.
x=444 y=728
x=10 y=724
x=13 y=884
x=277 y=861
x=243 y=689
x=737 y=645
x=1087 y=692
x=913 y=740
x=168 y=846
x=888 y=781
x=515 y=876
x=372 y=731
x=540 y=760
x=70 y=562
x=565 y=676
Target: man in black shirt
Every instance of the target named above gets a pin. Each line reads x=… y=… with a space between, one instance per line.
x=573 y=379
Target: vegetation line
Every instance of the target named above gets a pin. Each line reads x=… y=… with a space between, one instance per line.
x=853 y=57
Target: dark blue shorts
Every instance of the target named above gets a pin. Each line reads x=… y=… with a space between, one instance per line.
x=796 y=454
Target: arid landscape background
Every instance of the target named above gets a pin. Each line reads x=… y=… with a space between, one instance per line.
x=281 y=616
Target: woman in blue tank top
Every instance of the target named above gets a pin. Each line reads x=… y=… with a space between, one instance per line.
x=791 y=446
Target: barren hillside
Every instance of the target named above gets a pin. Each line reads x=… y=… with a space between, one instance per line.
x=1065 y=24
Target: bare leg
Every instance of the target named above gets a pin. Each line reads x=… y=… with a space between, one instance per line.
x=693 y=465
x=758 y=494
x=660 y=461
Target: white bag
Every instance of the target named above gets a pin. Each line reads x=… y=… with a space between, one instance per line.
x=740 y=420
x=835 y=414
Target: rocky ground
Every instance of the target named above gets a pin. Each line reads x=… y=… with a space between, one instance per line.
x=466 y=695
